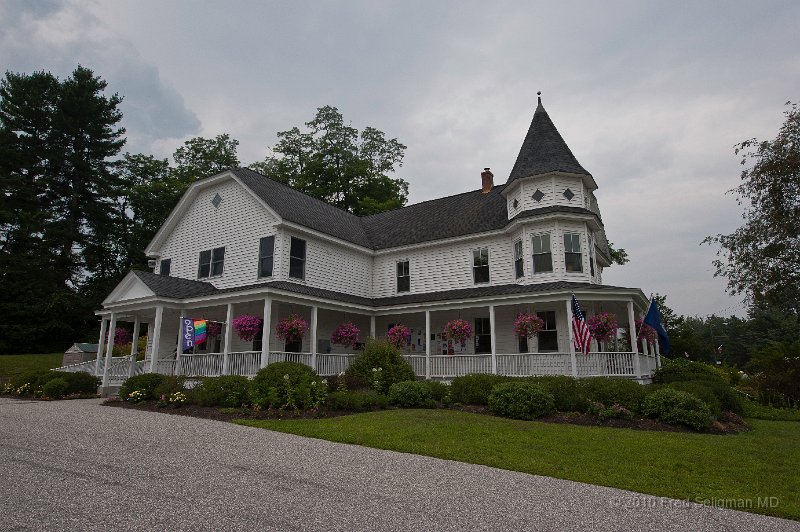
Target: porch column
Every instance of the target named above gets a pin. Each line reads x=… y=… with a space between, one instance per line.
x=156 y=338
x=372 y=326
x=573 y=360
x=637 y=364
x=179 y=345
x=101 y=343
x=493 y=338
x=314 y=338
x=265 y=331
x=134 y=345
x=658 y=355
x=226 y=351
x=427 y=344
x=109 y=347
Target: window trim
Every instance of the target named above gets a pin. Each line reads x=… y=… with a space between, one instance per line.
x=168 y=263
x=261 y=256
x=481 y=266
x=519 y=260
x=302 y=259
x=406 y=276
x=554 y=330
x=213 y=260
x=579 y=253
x=534 y=254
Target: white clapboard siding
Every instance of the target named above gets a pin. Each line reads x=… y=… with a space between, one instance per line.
x=237 y=224
x=445 y=267
x=553 y=187
x=330 y=266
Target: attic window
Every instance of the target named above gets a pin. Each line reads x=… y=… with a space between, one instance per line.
x=216 y=200
x=569 y=195
x=516 y=203
x=538 y=195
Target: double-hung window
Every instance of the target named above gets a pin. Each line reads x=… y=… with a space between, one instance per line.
x=297 y=258
x=548 y=336
x=403 y=277
x=519 y=264
x=483 y=335
x=572 y=252
x=542 y=255
x=480 y=265
x=266 y=252
x=166 y=265
x=212 y=262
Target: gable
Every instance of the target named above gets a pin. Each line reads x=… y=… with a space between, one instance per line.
x=130 y=288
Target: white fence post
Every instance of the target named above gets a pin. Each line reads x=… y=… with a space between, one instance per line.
x=372 y=326
x=427 y=344
x=100 y=345
x=493 y=339
x=156 y=337
x=572 y=357
x=226 y=352
x=265 y=331
x=109 y=348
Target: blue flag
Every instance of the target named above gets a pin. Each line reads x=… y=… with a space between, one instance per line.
x=653 y=319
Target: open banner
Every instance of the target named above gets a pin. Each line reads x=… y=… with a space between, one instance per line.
x=193 y=332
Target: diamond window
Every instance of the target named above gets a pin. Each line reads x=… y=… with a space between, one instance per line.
x=538 y=195
x=569 y=194
x=216 y=200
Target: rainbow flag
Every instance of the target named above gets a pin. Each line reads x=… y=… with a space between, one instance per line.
x=199 y=331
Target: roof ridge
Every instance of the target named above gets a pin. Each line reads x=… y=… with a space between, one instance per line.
x=432 y=200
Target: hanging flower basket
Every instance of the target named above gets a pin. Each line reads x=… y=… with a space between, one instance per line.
x=458 y=330
x=603 y=326
x=247 y=326
x=346 y=334
x=399 y=335
x=291 y=329
x=646 y=332
x=213 y=329
x=526 y=325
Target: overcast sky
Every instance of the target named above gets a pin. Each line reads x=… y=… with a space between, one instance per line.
x=651 y=97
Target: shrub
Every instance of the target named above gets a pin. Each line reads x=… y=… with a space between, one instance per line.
x=285 y=385
x=55 y=388
x=610 y=391
x=356 y=401
x=146 y=383
x=723 y=397
x=568 y=392
x=411 y=394
x=677 y=407
x=679 y=370
x=614 y=411
x=521 y=400
x=381 y=354
x=226 y=391
x=343 y=382
x=168 y=386
x=77 y=382
x=474 y=389
x=699 y=390
x=758 y=411
x=439 y=391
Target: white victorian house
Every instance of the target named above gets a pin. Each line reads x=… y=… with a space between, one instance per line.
x=240 y=243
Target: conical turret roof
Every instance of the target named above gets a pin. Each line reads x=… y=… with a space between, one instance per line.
x=543 y=150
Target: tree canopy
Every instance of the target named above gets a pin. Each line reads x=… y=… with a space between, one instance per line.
x=761 y=259
x=333 y=162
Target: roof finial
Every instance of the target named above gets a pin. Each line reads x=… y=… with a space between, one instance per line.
x=539 y=94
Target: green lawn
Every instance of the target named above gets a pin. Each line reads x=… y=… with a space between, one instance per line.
x=760 y=463
x=13 y=365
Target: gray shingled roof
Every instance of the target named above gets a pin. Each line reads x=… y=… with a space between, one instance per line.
x=174 y=287
x=177 y=288
x=544 y=150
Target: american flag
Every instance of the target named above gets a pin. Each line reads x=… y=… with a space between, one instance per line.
x=581 y=337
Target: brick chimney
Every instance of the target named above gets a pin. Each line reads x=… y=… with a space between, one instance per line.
x=487 y=181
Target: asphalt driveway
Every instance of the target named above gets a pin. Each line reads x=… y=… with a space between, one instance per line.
x=76 y=465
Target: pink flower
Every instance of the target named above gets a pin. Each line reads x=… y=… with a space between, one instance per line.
x=526 y=325
x=247 y=326
x=291 y=329
x=458 y=330
x=399 y=335
x=603 y=326
x=346 y=334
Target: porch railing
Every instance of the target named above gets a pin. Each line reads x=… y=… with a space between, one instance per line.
x=332 y=364
x=447 y=366
x=527 y=364
x=605 y=364
x=417 y=364
x=246 y=363
x=200 y=365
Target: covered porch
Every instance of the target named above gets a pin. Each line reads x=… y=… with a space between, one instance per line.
x=494 y=348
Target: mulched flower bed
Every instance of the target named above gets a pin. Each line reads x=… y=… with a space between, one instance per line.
x=729 y=423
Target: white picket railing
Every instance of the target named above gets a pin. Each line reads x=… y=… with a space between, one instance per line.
x=447 y=366
x=332 y=364
x=605 y=364
x=165 y=367
x=417 y=364
x=527 y=364
x=246 y=363
x=200 y=365
x=283 y=356
x=88 y=367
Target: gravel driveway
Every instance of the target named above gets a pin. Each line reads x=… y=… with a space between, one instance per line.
x=76 y=465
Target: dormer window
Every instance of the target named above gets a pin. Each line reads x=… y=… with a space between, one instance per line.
x=211 y=263
x=403 y=277
x=164 y=268
x=480 y=265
